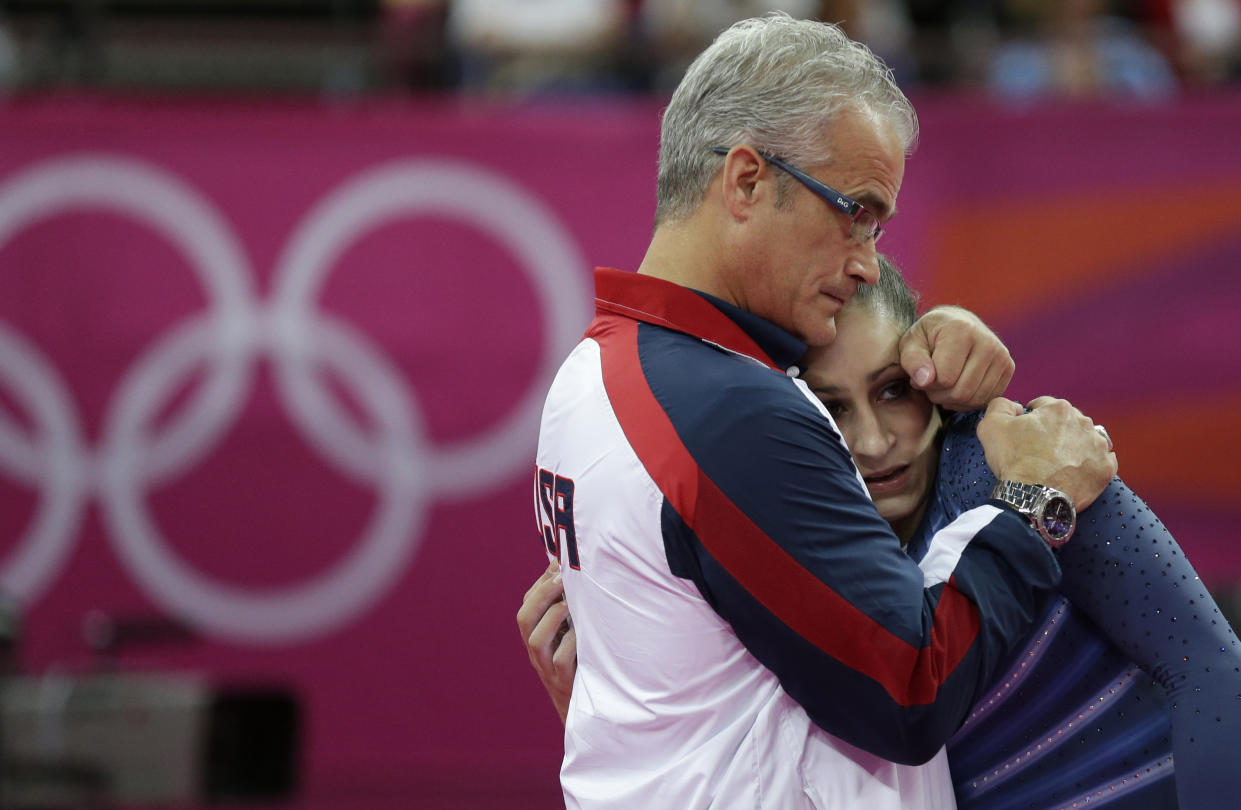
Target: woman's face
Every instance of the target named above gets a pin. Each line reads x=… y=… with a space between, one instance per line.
x=889 y=425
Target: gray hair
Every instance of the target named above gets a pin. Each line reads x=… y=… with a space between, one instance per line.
x=775 y=83
x=890 y=296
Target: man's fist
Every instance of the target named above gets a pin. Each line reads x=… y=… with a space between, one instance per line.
x=956 y=359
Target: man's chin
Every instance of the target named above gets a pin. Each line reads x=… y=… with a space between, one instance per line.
x=822 y=334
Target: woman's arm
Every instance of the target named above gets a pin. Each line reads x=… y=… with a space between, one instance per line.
x=1124 y=570
x=1130 y=577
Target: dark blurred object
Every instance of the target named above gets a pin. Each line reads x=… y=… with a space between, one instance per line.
x=939 y=25
x=413 y=50
x=252 y=744
x=10 y=636
x=1228 y=597
x=145 y=738
x=112 y=737
x=284 y=46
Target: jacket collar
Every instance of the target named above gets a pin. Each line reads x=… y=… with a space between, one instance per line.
x=663 y=303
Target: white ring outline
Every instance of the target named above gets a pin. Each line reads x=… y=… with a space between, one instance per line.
x=163 y=203
x=180 y=214
x=56 y=465
x=527 y=227
x=481 y=198
x=291 y=613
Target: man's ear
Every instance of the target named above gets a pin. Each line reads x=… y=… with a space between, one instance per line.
x=743 y=180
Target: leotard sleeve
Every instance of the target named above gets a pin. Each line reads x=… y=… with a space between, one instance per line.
x=1126 y=572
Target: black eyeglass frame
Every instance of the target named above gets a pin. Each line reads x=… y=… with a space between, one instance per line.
x=862 y=228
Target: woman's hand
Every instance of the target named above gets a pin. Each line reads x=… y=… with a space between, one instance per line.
x=547 y=630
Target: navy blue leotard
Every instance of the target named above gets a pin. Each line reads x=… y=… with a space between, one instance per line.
x=1128 y=692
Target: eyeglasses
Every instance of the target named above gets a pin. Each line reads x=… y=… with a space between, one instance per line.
x=866 y=225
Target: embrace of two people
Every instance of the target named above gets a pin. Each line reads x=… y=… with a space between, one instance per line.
x=796 y=577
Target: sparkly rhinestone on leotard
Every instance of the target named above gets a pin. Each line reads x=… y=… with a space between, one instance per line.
x=1130 y=664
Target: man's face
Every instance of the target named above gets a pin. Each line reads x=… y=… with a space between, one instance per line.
x=807 y=264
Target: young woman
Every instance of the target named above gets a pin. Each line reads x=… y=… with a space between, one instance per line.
x=1128 y=692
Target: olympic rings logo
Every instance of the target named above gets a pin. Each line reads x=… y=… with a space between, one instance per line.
x=300 y=340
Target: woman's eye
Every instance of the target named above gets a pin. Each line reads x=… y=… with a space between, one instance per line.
x=836 y=409
x=897 y=389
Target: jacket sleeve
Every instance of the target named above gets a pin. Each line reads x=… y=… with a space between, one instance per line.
x=784 y=542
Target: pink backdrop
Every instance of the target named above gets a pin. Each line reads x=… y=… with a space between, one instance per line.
x=274 y=370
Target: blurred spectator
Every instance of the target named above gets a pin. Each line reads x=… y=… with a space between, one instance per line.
x=675 y=31
x=1023 y=49
x=537 y=46
x=1208 y=34
x=952 y=40
x=9 y=62
x=886 y=28
x=413 y=53
x=1073 y=48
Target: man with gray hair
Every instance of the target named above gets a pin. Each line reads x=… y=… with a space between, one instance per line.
x=749 y=632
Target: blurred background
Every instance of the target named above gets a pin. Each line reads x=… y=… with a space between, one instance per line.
x=283 y=282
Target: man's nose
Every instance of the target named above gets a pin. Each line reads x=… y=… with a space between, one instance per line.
x=863 y=265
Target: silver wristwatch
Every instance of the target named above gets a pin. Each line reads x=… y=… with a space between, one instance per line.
x=1049 y=511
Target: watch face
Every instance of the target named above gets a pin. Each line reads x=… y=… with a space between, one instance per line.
x=1058 y=517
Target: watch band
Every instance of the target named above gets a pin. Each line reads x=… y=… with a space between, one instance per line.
x=1021 y=497
x=1051 y=513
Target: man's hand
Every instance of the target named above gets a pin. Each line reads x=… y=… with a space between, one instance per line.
x=951 y=355
x=543 y=621
x=1054 y=444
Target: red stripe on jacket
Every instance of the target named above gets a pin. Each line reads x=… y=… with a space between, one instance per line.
x=910 y=675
